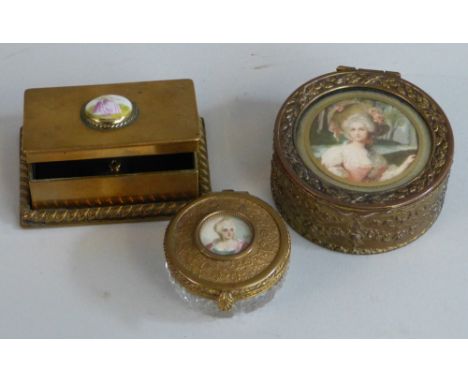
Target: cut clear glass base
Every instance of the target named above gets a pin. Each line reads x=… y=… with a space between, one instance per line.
x=210 y=307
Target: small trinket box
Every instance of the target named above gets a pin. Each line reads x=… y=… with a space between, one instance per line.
x=227 y=252
x=115 y=152
x=361 y=160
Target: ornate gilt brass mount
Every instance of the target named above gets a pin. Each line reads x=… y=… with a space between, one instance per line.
x=227 y=247
x=361 y=195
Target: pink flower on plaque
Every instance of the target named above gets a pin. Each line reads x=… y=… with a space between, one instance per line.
x=106 y=106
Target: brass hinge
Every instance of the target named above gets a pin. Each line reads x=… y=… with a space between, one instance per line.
x=343 y=68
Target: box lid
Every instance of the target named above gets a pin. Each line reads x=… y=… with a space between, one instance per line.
x=167 y=122
x=227 y=246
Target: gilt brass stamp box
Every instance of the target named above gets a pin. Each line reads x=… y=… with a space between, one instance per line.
x=111 y=152
x=361 y=160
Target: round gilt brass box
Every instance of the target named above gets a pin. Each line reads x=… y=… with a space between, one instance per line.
x=361 y=160
x=227 y=251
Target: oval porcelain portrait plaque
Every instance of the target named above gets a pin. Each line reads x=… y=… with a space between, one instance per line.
x=109 y=111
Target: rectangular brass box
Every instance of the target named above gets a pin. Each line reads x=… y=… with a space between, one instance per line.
x=68 y=164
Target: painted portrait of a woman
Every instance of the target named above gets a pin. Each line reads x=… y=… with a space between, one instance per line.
x=222 y=237
x=356 y=159
x=362 y=141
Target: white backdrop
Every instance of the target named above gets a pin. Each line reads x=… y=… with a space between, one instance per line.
x=110 y=280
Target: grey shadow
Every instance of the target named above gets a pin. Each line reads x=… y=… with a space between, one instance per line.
x=120 y=268
x=240 y=144
x=9 y=169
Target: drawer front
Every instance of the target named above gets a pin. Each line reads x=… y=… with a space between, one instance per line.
x=114 y=189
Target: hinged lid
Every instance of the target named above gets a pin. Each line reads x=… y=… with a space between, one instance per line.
x=362 y=137
x=69 y=123
x=227 y=246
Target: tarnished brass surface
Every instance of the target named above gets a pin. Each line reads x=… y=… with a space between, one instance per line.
x=112 y=190
x=353 y=229
x=76 y=141
x=235 y=277
x=54 y=131
x=133 y=209
x=355 y=221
